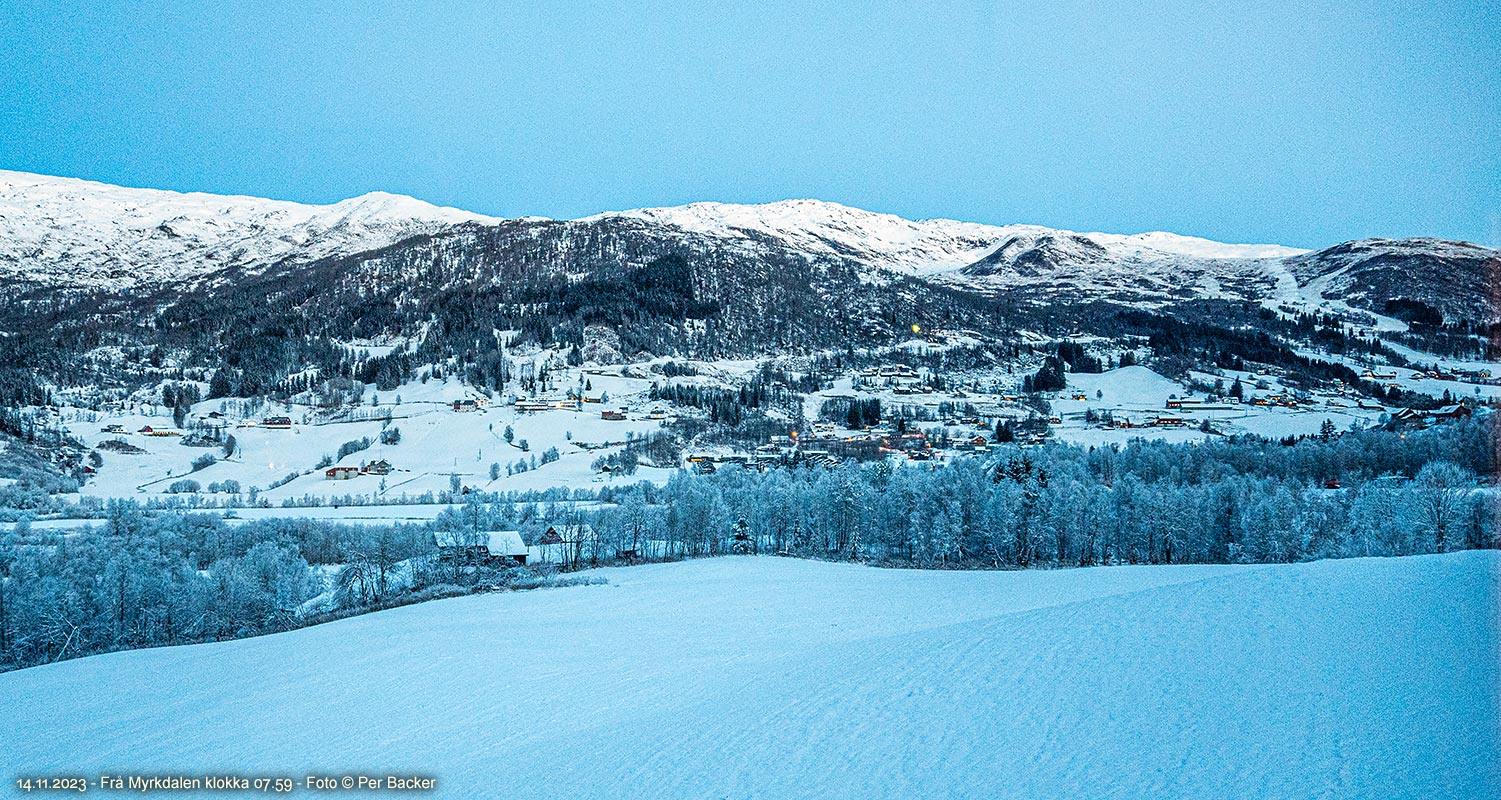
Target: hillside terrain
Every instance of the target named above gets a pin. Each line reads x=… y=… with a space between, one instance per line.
x=127 y=308
x=1342 y=679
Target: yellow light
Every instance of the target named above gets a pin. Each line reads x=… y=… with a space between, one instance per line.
x=916 y=328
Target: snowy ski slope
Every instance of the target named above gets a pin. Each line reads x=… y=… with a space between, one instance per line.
x=763 y=677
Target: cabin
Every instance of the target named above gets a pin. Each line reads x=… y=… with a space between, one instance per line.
x=500 y=547
x=342 y=473
x=616 y=416
x=467 y=404
x=115 y=428
x=1169 y=422
x=277 y=423
x=381 y=467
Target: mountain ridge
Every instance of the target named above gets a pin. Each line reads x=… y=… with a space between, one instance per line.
x=242 y=278
x=71 y=231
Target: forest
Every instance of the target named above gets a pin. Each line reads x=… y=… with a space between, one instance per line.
x=144 y=577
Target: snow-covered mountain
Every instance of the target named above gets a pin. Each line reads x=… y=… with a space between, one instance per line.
x=921 y=247
x=86 y=237
x=76 y=233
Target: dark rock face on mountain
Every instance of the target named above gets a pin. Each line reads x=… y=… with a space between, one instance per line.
x=1459 y=280
x=1033 y=256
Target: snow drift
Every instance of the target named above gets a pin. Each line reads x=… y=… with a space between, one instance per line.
x=759 y=677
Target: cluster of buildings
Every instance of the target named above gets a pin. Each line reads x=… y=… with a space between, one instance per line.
x=1469 y=375
x=348 y=471
x=900 y=378
x=1410 y=418
x=559 y=544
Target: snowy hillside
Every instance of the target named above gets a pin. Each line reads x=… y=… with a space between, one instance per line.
x=64 y=231
x=763 y=677
x=69 y=232
x=59 y=233
x=915 y=247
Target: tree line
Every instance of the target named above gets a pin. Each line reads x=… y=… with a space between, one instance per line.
x=140 y=578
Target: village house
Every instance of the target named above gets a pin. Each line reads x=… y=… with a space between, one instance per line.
x=469 y=404
x=381 y=467
x=1451 y=413
x=1407 y=417
x=496 y=547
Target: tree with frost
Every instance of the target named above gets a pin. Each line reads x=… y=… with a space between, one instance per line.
x=1441 y=488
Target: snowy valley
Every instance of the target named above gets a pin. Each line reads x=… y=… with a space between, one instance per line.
x=946 y=508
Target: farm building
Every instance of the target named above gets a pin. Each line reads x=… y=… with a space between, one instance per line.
x=341 y=473
x=484 y=546
x=567 y=544
x=381 y=467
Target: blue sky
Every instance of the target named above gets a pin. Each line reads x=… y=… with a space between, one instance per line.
x=1301 y=123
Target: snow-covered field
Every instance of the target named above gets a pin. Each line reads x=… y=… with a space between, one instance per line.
x=763 y=677
x=436 y=443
